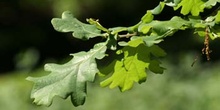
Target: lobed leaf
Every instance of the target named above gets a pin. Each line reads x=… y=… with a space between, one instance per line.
x=132 y=68
x=68 y=23
x=149 y=16
x=191 y=6
x=68 y=79
x=162 y=28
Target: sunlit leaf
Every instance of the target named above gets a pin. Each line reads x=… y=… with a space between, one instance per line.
x=211 y=3
x=217 y=18
x=149 y=40
x=157 y=10
x=191 y=6
x=172 y=3
x=97 y=24
x=68 y=23
x=131 y=68
x=162 y=27
x=145 y=29
x=148 y=17
x=68 y=79
x=116 y=30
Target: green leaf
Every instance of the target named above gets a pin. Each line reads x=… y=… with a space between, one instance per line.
x=200 y=25
x=211 y=3
x=149 y=40
x=191 y=6
x=148 y=17
x=172 y=3
x=68 y=23
x=68 y=79
x=116 y=30
x=122 y=43
x=157 y=10
x=155 y=67
x=217 y=18
x=156 y=30
x=200 y=32
x=112 y=42
x=97 y=24
x=215 y=32
x=162 y=27
x=131 y=68
x=145 y=29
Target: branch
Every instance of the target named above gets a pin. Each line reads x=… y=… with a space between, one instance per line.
x=127 y=35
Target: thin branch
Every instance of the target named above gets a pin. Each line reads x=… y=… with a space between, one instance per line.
x=127 y=35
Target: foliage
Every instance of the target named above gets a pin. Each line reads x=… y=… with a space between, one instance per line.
x=189 y=88
x=132 y=58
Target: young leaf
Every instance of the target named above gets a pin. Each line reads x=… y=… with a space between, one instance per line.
x=97 y=24
x=217 y=18
x=191 y=6
x=148 y=17
x=68 y=23
x=132 y=68
x=157 y=10
x=145 y=29
x=68 y=79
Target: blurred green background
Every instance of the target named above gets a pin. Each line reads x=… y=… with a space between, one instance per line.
x=28 y=41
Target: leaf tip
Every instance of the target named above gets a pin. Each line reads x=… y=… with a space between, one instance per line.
x=29 y=78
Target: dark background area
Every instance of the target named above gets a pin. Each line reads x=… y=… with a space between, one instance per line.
x=25 y=25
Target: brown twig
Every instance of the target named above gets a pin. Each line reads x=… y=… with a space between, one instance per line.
x=206 y=49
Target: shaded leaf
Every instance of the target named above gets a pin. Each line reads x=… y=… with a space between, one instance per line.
x=155 y=67
x=215 y=32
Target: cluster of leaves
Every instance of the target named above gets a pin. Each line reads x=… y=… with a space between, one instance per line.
x=132 y=59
